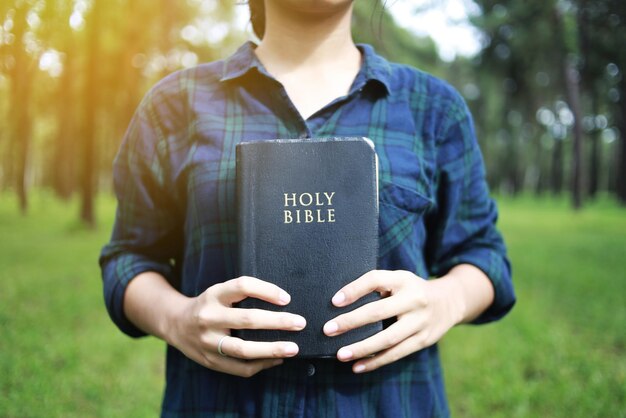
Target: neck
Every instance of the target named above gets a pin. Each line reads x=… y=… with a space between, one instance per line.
x=296 y=38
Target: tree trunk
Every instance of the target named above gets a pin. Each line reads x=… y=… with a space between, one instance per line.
x=590 y=86
x=573 y=98
x=571 y=85
x=20 y=110
x=594 y=162
x=91 y=108
x=64 y=157
x=540 y=182
x=557 y=167
x=621 y=166
x=132 y=77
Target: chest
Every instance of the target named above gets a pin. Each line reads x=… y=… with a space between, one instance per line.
x=309 y=93
x=405 y=152
x=404 y=144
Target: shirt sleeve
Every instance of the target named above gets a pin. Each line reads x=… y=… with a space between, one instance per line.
x=146 y=231
x=462 y=226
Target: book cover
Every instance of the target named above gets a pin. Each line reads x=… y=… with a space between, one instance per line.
x=308 y=222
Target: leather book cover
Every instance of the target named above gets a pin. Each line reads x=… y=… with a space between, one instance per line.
x=308 y=222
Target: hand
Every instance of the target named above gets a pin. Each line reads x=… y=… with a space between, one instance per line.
x=425 y=311
x=198 y=327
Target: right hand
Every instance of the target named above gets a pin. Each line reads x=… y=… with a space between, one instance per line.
x=199 y=325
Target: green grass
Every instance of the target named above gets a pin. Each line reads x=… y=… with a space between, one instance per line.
x=560 y=353
x=60 y=355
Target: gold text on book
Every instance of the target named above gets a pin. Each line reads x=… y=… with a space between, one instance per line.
x=318 y=207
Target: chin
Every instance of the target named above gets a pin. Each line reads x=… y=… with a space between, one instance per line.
x=312 y=6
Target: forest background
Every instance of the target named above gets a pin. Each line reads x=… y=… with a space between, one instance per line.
x=548 y=94
x=546 y=89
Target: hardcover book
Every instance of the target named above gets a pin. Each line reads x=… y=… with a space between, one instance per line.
x=308 y=222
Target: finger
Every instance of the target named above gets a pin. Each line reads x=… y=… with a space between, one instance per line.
x=367 y=314
x=242 y=349
x=408 y=346
x=238 y=318
x=237 y=367
x=389 y=337
x=236 y=290
x=366 y=284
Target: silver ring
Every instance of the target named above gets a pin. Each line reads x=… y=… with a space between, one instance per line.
x=219 y=346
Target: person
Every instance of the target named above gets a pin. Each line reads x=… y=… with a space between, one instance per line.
x=169 y=268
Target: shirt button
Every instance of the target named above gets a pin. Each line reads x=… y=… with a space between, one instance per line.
x=310 y=370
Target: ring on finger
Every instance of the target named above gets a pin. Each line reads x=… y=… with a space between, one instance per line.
x=219 y=346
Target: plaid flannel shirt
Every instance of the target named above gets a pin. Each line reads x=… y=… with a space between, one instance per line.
x=175 y=182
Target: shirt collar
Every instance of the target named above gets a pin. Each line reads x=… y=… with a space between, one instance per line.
x=374 y=68
x=242 y=61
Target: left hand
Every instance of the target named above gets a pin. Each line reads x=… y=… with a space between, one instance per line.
x=425 y=311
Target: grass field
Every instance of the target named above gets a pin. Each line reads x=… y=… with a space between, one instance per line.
x=561 y=353
x=562 y=350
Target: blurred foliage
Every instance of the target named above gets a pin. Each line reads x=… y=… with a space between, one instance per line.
x=374 y=25
x=530 y=50
x=547 y=89
x=72 y=73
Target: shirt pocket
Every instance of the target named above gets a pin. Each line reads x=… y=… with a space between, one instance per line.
x=400 y=210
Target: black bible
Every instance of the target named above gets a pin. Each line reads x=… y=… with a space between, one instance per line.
x=308 y=222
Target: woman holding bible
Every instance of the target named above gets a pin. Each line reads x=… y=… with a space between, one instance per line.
x=169 y=269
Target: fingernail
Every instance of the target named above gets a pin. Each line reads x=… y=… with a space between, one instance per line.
x=330 y=327
x=277 y=362
x=360 y=368
x=284 y=297
x=291 y=348
x=299 y=322
x=339 y=298
x=344 y=354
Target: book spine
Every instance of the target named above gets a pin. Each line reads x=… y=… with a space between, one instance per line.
x=246 y=241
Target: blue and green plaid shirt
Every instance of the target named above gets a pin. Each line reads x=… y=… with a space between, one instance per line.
x=175 y=182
